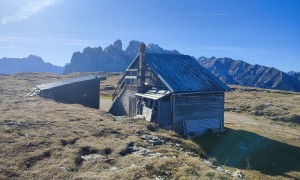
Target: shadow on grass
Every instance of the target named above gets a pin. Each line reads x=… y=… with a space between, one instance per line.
x=246 y=150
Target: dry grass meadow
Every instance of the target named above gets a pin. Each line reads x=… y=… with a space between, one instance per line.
x=44 y=139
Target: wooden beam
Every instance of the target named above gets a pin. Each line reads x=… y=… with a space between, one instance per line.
x=131 y=69
x=130 y=77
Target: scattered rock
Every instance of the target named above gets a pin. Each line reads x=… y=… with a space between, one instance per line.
x=63 y=168
x=154 y=155
x=228 y=172
x=115 y=169
x=238 y=175
x=154 y=140
x=192 y=154
x=91 y=156
x=219 y=168
x=84 y=153
x=159 y=178
x=140 y=150
x=209 y=163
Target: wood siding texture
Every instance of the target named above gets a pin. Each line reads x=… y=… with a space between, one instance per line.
x=197 y=107
x=165 y=114
x=121 y=105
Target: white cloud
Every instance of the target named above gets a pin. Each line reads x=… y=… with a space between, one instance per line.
x=29 y=9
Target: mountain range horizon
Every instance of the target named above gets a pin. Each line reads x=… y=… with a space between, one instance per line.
x=114 y=58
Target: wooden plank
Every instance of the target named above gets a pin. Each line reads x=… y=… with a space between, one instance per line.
x=131 y=69
x=130 y=77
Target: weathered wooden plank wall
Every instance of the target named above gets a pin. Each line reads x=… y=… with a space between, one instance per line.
x=205 y=106
x=121 y=105
x=165 y=114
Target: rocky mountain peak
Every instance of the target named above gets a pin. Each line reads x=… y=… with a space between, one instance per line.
x=33 y=58
x=154 y=48
x=118 y=44
x=133 y=48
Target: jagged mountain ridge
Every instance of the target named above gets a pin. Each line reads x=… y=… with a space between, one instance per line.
x=30 y=64
x=238 y=72
x=112 y=59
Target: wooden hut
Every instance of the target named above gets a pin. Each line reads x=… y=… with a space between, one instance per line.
x=173 y=90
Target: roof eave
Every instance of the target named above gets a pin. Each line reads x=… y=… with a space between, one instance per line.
x=197 y=92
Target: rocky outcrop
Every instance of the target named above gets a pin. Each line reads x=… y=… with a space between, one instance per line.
x=133 y=48
x=238 y=72
x=154 y=48
x=30 y=64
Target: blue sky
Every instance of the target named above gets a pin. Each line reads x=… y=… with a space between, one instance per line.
x=265 y=32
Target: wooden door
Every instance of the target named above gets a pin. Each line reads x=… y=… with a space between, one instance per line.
x=132 y=106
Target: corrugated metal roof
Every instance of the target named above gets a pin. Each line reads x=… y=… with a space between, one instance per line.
x=154 y=94
x=68 y=81
x=182 y=73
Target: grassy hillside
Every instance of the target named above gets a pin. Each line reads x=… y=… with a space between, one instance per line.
x=271 y=104
x=43 y=139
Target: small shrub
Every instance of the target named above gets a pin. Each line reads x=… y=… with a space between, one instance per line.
x=152 y=127
x=87 y=150
x=64 y=142
x=127 y=150
x=33 y=160
x=107 y=151
x=78 y=161
x=210 y=175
